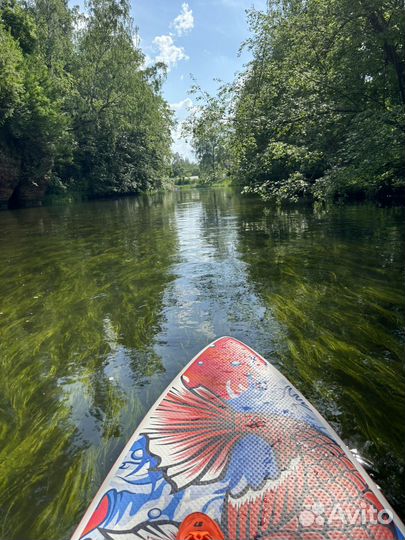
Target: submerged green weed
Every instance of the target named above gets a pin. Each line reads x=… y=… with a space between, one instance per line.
x=102 y=303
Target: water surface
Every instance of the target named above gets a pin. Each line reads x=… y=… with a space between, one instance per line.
x=103 y=303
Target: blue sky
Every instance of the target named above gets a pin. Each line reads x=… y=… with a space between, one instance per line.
x=199 y=37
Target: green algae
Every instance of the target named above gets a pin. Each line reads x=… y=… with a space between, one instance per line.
x=102 y=303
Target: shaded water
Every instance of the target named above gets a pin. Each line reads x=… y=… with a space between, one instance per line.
x=103 y=303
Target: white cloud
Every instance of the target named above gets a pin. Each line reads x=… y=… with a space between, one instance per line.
x=184 y=22
x=180 y=144
x=184 y=104
x=147 y=61
x=168 y=53
x=81 y=21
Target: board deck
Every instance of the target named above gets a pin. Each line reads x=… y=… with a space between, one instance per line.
x=232 y=437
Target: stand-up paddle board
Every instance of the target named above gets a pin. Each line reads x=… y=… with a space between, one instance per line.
x=232 y=438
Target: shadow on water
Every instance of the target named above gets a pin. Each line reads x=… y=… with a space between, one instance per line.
x=103 y=303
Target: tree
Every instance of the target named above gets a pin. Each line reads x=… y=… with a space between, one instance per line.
x=208 y=127
x=34 y=128
x=183 y=168
x=121 y=121
x=79 y=111
x=318 y=110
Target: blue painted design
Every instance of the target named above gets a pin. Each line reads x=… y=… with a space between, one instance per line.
x=140 y=470
x=398 y=533
x=256 y=449
x=206 y=507
x=139 y=459
x=154 y=513
x=170 y=510
x=254 y=400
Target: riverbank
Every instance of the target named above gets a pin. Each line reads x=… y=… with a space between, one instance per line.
x=70 y=198
x=227 y=182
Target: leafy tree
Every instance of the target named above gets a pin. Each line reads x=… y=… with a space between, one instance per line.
x=33 y=127
x=208 y=127
x=11 y=79
x=79 y=111
x=55 y=27
x=318 y=111
x=183 y=168
x=121 y=121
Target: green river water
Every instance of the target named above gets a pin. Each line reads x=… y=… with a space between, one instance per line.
x=102 y=303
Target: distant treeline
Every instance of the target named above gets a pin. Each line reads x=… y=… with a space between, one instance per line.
x=184 y=171
x=79 y=111
x=318 y=112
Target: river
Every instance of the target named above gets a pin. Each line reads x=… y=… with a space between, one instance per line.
x=102 y=303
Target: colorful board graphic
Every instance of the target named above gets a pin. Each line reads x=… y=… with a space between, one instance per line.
x=231 y=437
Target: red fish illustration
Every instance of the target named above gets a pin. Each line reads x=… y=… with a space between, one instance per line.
x=231 y=364
x=99 y=515
x=194 y=432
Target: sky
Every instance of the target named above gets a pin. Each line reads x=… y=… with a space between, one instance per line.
x=198 y=37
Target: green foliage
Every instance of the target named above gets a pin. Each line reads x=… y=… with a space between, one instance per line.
x=182 y=170
x=318 y=111
x=20 y=24
x=208 y=127
x=33 y=124
x=77 y=103
x=122 y=122
x=11 y=80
